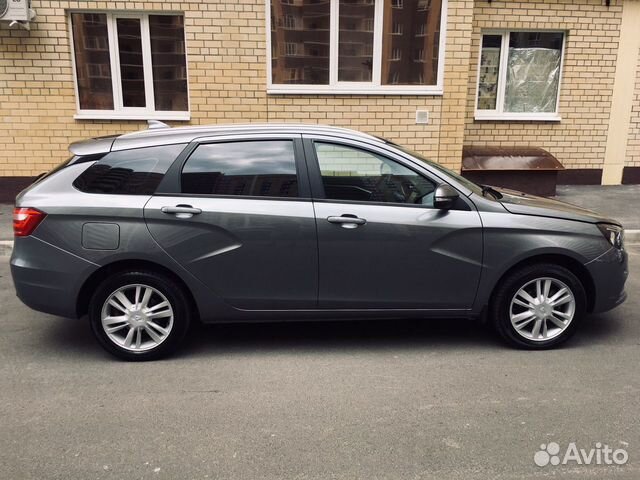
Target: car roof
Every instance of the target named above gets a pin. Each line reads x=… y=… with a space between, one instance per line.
x=161 y=134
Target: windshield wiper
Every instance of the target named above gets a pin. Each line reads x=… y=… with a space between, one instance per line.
x=487 y=189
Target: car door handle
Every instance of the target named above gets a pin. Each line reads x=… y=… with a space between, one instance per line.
x=181 y=211
x=347 y=221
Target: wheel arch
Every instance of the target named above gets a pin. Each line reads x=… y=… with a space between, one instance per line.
x=566 y=261
x=97 y=277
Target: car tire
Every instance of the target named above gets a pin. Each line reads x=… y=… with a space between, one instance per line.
x=150 y=326
x=528 y=324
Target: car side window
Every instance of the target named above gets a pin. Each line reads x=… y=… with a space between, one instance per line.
x=350 y=173
x=136 y=171
x=261 y=168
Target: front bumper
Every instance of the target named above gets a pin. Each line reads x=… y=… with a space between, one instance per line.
x=609 y=273
x=47 y=278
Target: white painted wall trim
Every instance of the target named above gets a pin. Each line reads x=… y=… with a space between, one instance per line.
x=622 y=98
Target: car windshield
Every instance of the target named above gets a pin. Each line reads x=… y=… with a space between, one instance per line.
x=474 y=187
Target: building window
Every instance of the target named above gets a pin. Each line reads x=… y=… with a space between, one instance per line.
x=357 y=46
x=368 y=24
x=290 y=22
x=130 y=66
x=424 y=5
x=291 y=49
x=519 y=75
x=293 y=74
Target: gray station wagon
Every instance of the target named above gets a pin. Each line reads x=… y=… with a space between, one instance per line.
x=148 y=231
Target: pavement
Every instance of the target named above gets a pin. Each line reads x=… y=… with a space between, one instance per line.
x=6 y=229
x=437 y=399
x=621 y=202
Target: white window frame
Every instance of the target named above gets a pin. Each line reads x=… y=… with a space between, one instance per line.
x=291 y=49
x=375 y=87
x=498 y=113
x=290 y=22
x=120 y=112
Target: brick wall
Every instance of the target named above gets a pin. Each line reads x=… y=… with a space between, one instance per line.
x=633 y=145
x=227 y=69
x=592 y=32
x=227 y=80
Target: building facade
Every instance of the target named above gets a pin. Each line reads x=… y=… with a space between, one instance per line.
x=433 y=75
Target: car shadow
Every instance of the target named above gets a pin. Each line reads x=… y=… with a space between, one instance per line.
x=598 y=328
x=337 y=336
x=431 y=334
x=327 y=336
x=73 y=337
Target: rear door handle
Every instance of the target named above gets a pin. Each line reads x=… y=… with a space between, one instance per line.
x=347 y=221
x=181 y=211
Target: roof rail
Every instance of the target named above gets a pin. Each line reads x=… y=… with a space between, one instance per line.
x=153 y=124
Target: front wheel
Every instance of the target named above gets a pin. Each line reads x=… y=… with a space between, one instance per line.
x=139 y=315
x=538 y=306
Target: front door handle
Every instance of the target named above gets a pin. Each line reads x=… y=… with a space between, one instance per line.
x=347 y=221
x=181 y=211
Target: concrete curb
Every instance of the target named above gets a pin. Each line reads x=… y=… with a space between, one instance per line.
x=631 y=237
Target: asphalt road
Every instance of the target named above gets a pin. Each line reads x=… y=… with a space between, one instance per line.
x=397 y=400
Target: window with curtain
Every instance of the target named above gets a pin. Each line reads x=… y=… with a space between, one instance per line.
x=519 y=75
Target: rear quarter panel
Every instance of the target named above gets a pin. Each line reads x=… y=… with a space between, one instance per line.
x=69 y=210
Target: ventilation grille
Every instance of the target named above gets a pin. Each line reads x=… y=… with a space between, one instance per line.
x=422 y=116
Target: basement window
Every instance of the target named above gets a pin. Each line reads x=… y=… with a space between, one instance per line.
x=130 y=66
x=357 y=46
x=519 y=76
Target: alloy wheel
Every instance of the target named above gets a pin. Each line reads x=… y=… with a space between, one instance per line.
x=542 y=309
x=137 y=317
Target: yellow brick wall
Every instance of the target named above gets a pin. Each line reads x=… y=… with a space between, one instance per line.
x=226 y=51
x=227 y=68
x=579 y=140
x=633 y=145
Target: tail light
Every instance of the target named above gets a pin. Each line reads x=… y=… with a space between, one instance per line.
x=25 y=221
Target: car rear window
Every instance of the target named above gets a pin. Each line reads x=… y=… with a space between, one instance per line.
x=129 y=172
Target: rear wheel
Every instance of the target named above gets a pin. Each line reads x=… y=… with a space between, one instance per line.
x=538 y=306
x=139 y=315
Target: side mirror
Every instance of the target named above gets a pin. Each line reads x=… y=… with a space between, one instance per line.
x=445 y=196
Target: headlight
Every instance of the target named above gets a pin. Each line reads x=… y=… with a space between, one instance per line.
x=613 y=233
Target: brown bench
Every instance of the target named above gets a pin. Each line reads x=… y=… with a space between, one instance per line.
x=528 y=169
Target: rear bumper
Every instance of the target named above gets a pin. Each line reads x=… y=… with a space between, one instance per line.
x=47 y=278
x=609 y=273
